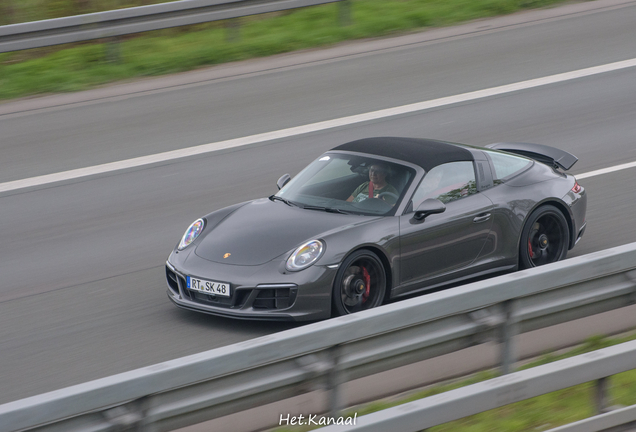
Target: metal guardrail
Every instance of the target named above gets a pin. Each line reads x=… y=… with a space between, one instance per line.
x=267 y=369
x=473 y=399
x=120 y=22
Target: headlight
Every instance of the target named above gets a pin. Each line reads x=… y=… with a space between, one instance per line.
x=305 y=255
x=191 y=233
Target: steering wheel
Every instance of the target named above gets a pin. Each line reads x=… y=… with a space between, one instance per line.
x=390 y=194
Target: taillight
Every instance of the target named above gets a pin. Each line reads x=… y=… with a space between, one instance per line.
x=577 y=187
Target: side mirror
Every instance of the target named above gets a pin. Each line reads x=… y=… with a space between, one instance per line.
x=428 y=207
x=283 y=180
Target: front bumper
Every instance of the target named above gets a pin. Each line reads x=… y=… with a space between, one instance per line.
x=261 y=292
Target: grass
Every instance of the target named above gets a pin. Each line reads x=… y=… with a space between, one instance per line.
x=82 y=66
x=536 y=414
x=18 y=11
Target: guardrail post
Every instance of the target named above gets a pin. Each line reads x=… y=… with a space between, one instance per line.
x=334 y=381
x=509 y=329
x=344 y=12
x=113 y=49
x=601 y=396
x=232 y=30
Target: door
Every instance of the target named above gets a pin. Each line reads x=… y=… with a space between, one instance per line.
x=444 y=243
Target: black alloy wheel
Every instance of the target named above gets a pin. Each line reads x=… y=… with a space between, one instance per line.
x=545 y=238
x=360 y=283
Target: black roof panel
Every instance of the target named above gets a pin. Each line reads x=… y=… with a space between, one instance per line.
x=423 y=152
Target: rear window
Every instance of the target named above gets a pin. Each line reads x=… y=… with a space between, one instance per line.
x=507 y=165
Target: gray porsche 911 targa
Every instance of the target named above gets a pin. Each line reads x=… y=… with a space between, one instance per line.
x=377 y=219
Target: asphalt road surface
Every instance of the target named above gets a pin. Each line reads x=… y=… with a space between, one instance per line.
x=82 y=285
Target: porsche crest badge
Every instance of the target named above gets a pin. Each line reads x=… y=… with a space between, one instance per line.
x=227 y=255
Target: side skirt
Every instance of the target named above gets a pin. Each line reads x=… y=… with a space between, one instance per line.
x=454 y=282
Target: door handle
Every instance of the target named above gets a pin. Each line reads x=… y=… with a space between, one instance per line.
x=482 y=218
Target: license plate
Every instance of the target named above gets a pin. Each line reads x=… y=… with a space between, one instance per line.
x=209 y=287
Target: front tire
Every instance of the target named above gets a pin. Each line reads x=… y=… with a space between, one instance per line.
x=545 y=238
x=360 y=283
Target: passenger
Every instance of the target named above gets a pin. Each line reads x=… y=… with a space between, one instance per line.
x=376 y=187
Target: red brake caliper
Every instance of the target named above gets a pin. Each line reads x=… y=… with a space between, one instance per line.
x=367 y=284
x=530 y=250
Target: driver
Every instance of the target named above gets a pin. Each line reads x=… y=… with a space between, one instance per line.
x=376 y=186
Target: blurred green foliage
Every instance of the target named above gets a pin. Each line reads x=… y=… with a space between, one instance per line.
x=536 y=414
x=17 y=11
x=81 y=66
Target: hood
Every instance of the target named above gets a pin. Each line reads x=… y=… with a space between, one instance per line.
x=262 y=230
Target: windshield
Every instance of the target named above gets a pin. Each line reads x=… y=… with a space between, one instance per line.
x=349 y=184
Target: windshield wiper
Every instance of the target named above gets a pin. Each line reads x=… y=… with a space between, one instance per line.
x=327 y=209
x=289 y=203
x=308 y=207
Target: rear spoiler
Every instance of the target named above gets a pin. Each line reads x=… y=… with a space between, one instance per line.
x=539 y=152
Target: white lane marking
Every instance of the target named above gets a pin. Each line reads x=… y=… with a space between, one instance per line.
x=313 y=127
x=605 y=170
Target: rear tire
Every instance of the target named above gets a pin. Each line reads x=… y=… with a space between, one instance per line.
x=360 y=283
x=544 y=239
